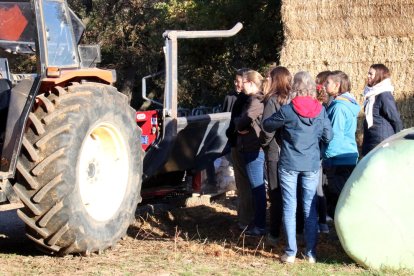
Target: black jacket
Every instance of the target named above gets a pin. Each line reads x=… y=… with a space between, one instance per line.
x=386 y=122
x=250 y=121
x=236 y=111
x=229 y=101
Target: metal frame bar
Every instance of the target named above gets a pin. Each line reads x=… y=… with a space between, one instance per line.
x=171 y=71
x=144 y=88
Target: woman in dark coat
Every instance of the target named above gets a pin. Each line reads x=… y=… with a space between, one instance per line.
x=276 y=95
x=381 y=115
x=249 y=133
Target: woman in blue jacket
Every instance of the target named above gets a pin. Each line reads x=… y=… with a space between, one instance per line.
x=381 y=115
x=341 y=155
x=304 y=124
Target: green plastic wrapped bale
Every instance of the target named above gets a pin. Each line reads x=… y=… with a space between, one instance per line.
x=374 y=217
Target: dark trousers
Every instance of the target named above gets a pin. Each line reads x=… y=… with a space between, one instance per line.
x=245 y=207
x=275 y=211
x=321 y=207
x=211 y=174
x=275 y=198
x=336 y=177
x=259 y=200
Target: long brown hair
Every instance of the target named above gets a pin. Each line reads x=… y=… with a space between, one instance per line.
x=381 y=73
x=281 y=84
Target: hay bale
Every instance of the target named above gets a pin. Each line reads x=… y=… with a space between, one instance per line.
x=350 y=36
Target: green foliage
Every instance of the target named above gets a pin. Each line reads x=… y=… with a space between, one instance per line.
x=130 y=35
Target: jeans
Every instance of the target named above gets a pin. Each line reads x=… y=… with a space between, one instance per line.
x=254 y=162
x=288 y=182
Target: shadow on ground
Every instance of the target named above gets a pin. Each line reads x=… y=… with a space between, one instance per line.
x=12 y=236
x=216 y=223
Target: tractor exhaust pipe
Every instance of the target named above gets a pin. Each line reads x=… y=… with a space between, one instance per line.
x=203 y=34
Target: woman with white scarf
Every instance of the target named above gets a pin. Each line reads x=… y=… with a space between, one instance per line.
x=381 y=115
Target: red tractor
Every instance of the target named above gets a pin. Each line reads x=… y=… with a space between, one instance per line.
x=70 y=147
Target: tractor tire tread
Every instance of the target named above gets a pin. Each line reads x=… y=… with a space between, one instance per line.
x=42 y=183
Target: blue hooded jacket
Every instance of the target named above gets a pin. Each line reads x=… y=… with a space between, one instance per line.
x=304 y=124
x=342 y=149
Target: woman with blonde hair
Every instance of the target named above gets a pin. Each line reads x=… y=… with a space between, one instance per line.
x=249 y=144
x=304 y=124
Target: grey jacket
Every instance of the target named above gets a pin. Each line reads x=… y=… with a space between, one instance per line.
x=271 y=140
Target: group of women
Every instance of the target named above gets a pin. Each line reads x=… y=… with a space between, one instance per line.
x=290 y=133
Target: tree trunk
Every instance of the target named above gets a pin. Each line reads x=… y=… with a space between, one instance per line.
x=127 y=87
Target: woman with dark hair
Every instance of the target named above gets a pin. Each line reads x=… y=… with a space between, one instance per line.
x=381 y=115
x=325 y=100
x=341 y=155
x=276 y=94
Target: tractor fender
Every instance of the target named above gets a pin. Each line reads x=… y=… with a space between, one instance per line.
x=22 y=99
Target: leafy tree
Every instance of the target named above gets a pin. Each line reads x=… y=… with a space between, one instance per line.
x=130 y=35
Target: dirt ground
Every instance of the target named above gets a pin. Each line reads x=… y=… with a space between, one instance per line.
x=168 y=239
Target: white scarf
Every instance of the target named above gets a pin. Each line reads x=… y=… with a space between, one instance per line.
x=369 y=97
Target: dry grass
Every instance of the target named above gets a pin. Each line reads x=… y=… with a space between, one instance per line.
x=350 y=36
x=201 y=240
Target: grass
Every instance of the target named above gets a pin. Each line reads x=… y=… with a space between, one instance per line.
x=201 y=240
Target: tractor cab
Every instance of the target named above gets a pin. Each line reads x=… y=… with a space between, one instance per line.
x=41 y=39
x=19 y=35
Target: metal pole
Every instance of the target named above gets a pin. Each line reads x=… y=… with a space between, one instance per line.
x=144 y=88
x=171 y=69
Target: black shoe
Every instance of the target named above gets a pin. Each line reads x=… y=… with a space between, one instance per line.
x=256 y=232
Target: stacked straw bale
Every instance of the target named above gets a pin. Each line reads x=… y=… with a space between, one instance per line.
x=350 y=35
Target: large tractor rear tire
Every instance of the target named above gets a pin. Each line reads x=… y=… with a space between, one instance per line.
x=79 y=172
